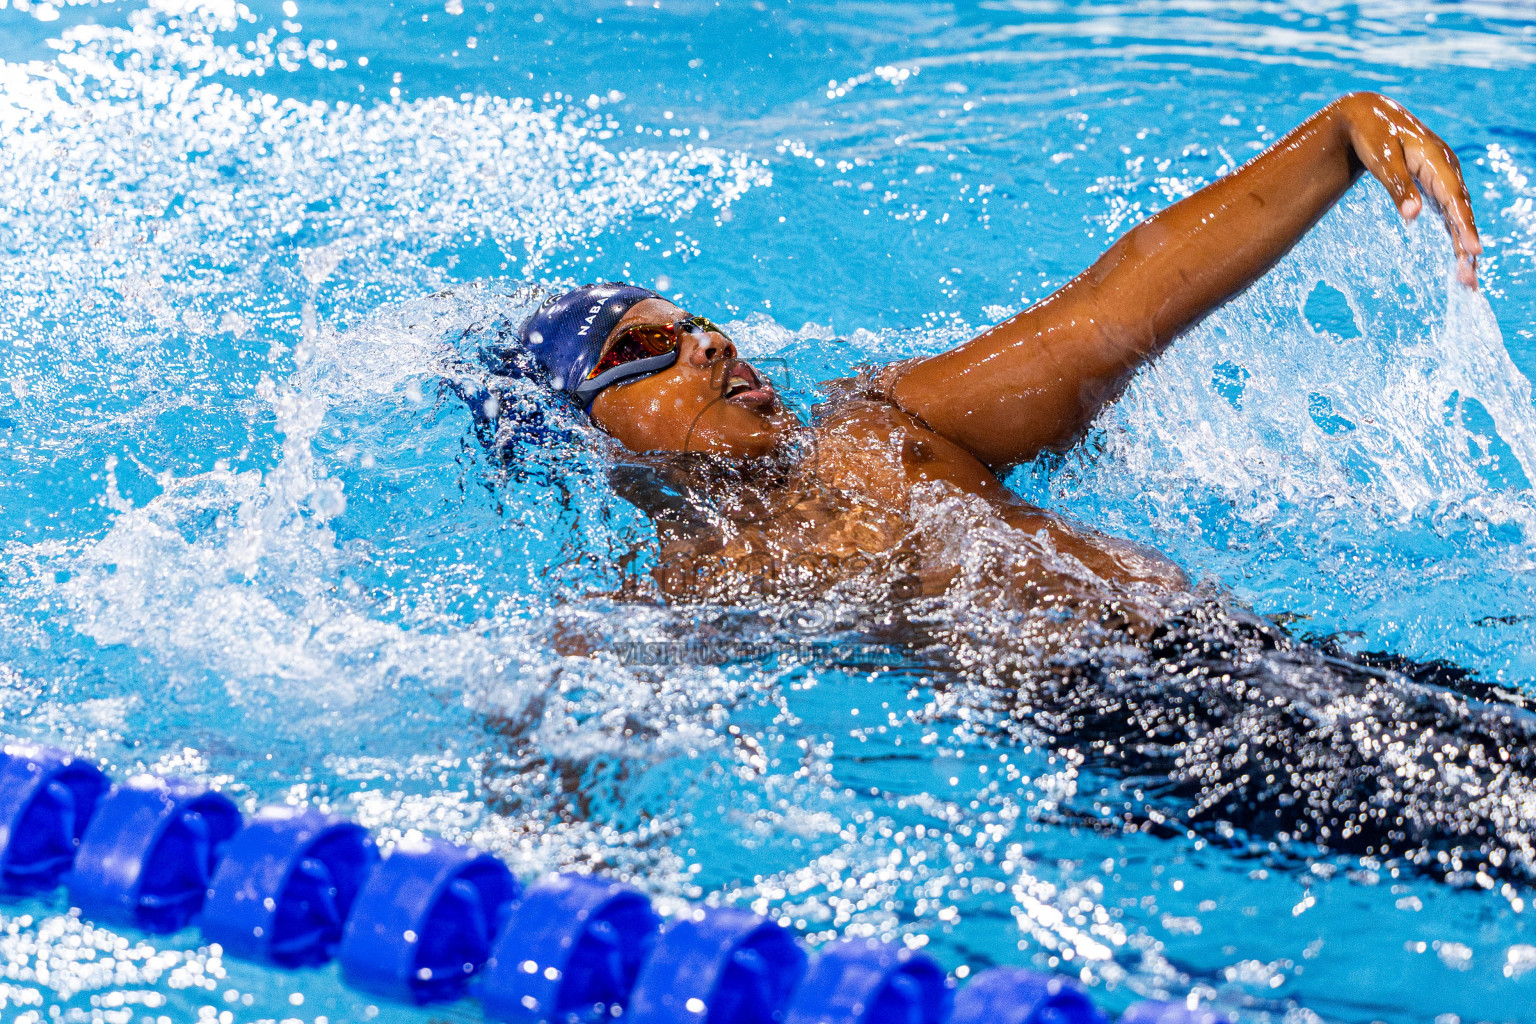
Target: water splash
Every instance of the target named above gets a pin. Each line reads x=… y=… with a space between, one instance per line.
x=1389 y=446
x=302 y=572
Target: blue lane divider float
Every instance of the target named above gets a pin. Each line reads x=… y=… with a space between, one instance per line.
x=715 y=965
x=423 y=924
x=46 y=800
x=285 y=888
x=1011 y=996
x=871 y=982
x=434 y=921
x=572 y=945
x=147 y=856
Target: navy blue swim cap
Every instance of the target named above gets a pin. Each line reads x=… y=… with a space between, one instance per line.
x=565 y=337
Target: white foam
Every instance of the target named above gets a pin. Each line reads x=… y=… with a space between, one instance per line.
x=1262 y=488
x=1424 y=339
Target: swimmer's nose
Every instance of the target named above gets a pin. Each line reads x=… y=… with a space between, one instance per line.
x=707 y=348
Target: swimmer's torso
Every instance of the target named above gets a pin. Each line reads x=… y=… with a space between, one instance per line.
x=854 y=506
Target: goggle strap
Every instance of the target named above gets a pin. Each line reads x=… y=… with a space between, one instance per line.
x=587 y=390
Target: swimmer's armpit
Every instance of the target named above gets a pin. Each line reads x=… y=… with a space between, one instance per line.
x=1036 y=381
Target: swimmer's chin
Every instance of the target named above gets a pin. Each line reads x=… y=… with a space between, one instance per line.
x=773 y=430
x=741 y=418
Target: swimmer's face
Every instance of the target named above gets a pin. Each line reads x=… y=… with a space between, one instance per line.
x=708 y=401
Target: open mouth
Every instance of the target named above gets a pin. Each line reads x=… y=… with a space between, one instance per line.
x=745 y=386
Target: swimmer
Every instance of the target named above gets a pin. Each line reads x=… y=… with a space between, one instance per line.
x=1213 y=718
x=807 y=506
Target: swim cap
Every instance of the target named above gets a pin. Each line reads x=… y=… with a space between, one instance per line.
x=565 y=335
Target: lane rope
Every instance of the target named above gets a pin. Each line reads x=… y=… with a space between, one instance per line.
x=434 y=921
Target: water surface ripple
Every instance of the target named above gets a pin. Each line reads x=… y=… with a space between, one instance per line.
x=252 y=533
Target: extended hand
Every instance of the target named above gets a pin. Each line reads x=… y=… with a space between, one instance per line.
x=1399 y=150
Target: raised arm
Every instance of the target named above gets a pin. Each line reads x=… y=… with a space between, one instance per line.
x=1036 y=381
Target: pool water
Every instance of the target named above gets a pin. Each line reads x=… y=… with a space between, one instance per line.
x=251 y=534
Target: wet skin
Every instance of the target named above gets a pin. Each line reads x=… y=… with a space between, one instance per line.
x=1216 y=718
x=953 y=424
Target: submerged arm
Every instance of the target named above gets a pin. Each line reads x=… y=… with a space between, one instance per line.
x=1036 y=381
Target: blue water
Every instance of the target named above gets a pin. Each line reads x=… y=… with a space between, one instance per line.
x=250 y=534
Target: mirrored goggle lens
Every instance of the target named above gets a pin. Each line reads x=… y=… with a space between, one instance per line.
x=705 y=324
x=636 y=343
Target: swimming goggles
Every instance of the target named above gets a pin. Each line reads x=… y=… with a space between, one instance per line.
x=639 y=351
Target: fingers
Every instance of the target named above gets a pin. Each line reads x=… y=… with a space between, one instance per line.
x=1383 y=156
x=1399 y=150
x=1466 y=271
x=1438 y=172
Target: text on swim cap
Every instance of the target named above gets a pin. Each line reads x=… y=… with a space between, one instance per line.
x=587 y=324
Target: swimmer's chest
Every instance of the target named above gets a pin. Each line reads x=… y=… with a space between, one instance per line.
x=846 y=516
x=876 y=451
